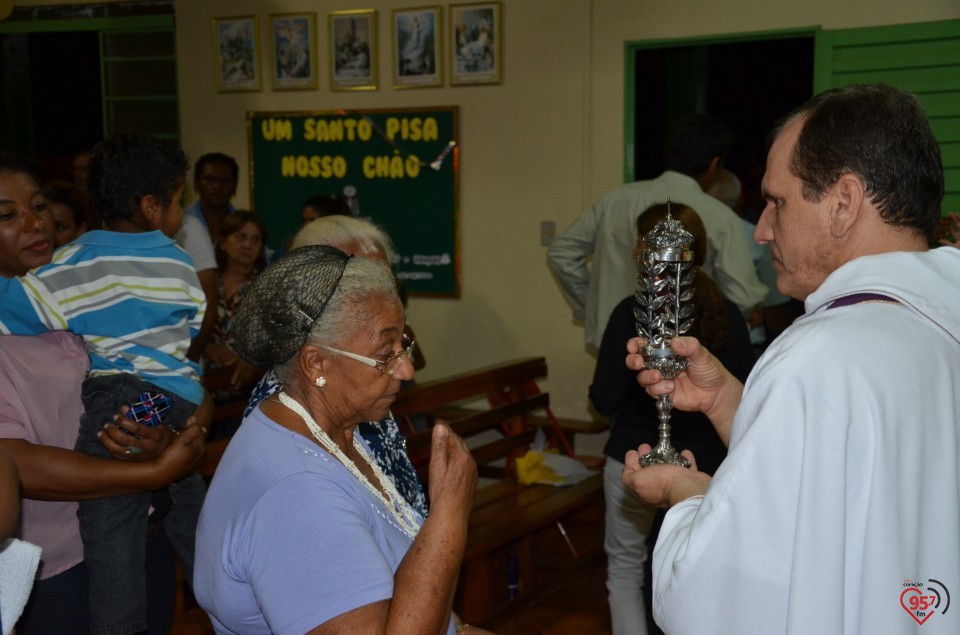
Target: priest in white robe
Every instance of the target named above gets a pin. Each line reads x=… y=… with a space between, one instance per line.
x=837 y=510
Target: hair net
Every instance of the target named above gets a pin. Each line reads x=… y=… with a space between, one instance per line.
x=276 y=315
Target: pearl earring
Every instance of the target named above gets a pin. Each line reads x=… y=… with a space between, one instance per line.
x=321 y=381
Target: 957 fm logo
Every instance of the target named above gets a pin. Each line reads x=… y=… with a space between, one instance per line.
x=923 y=600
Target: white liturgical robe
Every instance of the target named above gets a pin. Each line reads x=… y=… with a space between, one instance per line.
x=837 y=509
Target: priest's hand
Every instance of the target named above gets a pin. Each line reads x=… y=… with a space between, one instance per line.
x=663 y=485
x=705 y=386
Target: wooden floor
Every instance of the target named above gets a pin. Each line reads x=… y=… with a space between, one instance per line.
x=577 y=605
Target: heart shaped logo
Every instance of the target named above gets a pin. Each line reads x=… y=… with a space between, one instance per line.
x=919 y=604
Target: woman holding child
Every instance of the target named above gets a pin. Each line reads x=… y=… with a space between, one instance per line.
x=40 y=408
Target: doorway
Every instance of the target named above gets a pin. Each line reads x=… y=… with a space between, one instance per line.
x=748 y=84
x=54 y=106
x=70 y=75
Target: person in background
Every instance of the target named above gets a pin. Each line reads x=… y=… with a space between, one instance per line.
x=951 y=224
x=777 y=310
x=317 y=206
x=133 y=296
x=40 y=405
x=839 y=500
x=80 y=169
x=322 y=205
x=700 y=144
x=73 y=213
x=302 y=532
x=215 y=177
x=192 y=237
x=629 y=524
x=239 y=260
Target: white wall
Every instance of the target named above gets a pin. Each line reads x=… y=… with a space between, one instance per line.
x=540 y=146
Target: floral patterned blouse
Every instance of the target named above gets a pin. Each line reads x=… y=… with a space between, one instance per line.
x=223 y=329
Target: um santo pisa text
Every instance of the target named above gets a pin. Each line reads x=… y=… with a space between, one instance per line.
x=351 y=130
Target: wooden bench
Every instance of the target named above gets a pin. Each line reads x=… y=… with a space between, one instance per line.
x=508 y=518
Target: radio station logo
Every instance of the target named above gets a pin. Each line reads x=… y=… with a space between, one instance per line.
x=922 y=600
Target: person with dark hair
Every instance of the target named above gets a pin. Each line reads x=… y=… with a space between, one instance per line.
x=80 y=168
x=134 y=298
x=321 y=205
x=634 y=419
x=40 y=404
x=239 y=259
x=700 y=145
x=215 y=177
x=837 y=509
x=73 y=213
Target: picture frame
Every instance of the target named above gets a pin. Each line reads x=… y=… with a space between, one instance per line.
x=476 y=43
x=293 y=48
x=353 y=50
x=236 y=53
x=417 y=47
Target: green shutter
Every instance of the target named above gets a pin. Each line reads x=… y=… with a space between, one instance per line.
x=922 y=58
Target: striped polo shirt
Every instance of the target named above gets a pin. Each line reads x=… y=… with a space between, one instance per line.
x=134 y=299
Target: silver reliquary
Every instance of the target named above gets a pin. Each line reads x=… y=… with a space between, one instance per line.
x=665 y=309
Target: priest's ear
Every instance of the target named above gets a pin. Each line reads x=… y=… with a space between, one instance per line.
x=848 y=198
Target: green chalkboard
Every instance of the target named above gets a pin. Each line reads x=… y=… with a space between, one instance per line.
x=400 y=166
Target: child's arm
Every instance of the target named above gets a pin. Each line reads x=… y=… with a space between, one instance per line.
x=28 y=308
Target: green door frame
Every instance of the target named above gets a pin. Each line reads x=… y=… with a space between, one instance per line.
x=92 y=24
x=100 y=25
x=629 y=67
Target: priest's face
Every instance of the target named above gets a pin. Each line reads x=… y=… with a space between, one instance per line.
x=797 y=230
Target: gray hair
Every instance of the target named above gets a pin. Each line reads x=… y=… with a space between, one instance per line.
x=727 y=189
x=346 y=233
x=283 y=303
x=363 y=279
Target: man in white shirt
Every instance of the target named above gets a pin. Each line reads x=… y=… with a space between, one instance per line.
x=194 y=239
x=607 y=231
x=837 y=509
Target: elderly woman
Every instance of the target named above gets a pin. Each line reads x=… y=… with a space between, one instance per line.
x=359 y=237
x=301 y=532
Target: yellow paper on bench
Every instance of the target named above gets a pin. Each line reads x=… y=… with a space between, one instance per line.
x=533 y=468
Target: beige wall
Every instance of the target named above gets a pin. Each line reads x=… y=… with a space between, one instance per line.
x=540 y=146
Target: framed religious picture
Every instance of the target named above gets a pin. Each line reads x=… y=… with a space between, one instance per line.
x=236 y=48
x=293 y=45
x=353 y=50
x=417 y=47
x=476 y=34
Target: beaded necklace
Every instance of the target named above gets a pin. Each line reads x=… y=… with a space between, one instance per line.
x=402 y=513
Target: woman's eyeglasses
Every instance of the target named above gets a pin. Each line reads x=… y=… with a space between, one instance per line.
x=387 y=366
